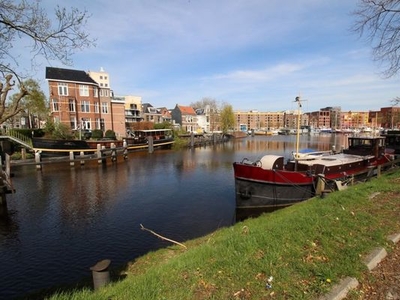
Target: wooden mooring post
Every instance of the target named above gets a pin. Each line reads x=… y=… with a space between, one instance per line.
x=71 y=158
x=125 y=145
x=6 y=186
x=38 y=159
x=151 y=145
x=113 y=152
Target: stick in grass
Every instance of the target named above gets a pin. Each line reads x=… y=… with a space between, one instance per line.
x=161 y=237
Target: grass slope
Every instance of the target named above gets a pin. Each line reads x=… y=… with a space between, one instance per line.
x=306 y=248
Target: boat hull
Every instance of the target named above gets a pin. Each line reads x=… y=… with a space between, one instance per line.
x=257 y=188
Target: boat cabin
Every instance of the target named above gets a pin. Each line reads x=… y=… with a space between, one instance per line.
x=366 y=146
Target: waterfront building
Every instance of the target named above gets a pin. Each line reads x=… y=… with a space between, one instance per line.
x=155 y=115
x=389 y=117
x=258 y=120
x=80 y=102
x=185 y=117
x=74 y=98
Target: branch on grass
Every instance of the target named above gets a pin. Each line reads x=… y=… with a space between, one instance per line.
x=161 y=237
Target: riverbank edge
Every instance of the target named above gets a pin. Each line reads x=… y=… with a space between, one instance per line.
x=341 y=290
x=336 y=291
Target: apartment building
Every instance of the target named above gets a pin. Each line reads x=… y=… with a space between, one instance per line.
x=258 y=120
x=80 y=102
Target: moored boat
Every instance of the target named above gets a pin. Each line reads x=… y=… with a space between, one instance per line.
x=139 y=139
x=270 y=183
x=57 y=147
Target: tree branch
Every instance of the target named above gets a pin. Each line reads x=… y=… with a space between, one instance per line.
x=161 y=237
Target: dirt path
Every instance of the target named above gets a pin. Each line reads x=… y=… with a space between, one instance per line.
x=383 y=282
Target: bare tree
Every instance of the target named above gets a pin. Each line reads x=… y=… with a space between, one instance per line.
x=54 y=38
x=379 y=21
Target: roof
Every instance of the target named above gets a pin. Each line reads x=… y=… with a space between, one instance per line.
x=68 y=75
x=186 y=110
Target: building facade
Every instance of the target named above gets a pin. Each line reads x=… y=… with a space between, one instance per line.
x=186 y=117
x=259 y=120
x=78 y=101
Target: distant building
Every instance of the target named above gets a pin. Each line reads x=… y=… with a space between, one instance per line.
x=186 y=117
x=133 y=110
x=259 y=120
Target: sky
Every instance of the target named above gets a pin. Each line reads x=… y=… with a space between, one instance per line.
x=251 y=54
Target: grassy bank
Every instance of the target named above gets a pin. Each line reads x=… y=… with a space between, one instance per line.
x=306 y=249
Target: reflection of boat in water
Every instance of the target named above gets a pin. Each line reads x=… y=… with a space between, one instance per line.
x=271 y=183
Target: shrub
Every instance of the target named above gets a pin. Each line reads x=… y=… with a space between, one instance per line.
x=97 y=134
x=110 y=134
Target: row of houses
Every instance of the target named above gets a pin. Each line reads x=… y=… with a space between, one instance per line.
x=328 y=117
x=85 y=100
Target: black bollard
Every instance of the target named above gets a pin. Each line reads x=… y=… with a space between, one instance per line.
x=101 y=274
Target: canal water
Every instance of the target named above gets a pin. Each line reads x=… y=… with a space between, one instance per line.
x=62 y=220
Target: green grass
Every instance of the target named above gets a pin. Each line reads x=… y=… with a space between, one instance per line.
x=306 y=248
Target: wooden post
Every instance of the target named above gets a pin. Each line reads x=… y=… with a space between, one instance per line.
x=113 y=152
x=82 y=154
x=125 y=145
x=151 y=146
x=98 y=152
x=71 y=158
x=23 y=153
x=192 y=140
x=103 y=154
x=320 y=184
x=38 y=160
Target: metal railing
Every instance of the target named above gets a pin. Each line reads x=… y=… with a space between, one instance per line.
x=19 y=138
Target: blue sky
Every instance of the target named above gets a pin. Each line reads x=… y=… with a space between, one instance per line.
x=252 y=54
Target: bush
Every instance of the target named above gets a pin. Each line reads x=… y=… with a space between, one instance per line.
x=110 y=134
x=97 y=134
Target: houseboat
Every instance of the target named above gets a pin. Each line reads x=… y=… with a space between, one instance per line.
x=139 y=139
x=270 y=183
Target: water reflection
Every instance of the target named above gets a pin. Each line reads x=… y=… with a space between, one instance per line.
x=63 y=219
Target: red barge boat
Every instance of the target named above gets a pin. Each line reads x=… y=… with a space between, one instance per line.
x=270 y=183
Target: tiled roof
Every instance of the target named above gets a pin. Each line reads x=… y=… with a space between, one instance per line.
x=68 y=75
x=186 y=110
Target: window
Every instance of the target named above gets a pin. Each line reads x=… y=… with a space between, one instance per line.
x=95 y=92
x=71 y=105
x=85 y=106
x=85 y=123
x=99 y=123
x=84 y=90
x=72 y=122
x=55 y=106
x=104 y=107
x=96 y=107
x=62 y=89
